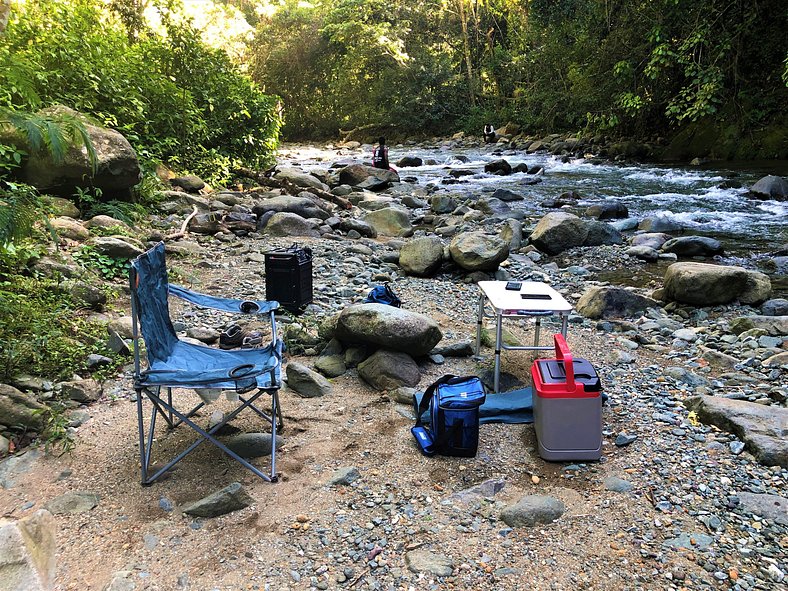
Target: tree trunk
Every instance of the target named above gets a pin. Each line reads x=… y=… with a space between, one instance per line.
x=466 y=46
x=5 y=13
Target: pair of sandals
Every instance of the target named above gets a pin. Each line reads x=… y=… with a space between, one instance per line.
x=234 y=337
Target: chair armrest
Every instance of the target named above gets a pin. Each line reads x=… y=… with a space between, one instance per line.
x=223 y=304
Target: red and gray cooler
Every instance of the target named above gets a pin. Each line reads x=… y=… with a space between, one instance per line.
x=567 y=406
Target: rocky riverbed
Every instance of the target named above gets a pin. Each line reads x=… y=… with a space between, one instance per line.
x=690 y=492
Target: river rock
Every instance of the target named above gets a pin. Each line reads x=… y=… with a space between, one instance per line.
x=290 y=224
x=28 y=552
x=660 y=223
x=703 y=284
x=410 y=161
x=239 y=222
x=533 y=510
x=644 y=253
x=360 y=226
x=495 y=207
x=600 y=233
x=421 y=256
x=760 y=427
x=117 y=167
x=477 y=251
x=772 y=507
x=190 y=183
x=442 y=203
x=368 y=177
x=61 y=207
x=693 y=246
x=653 y=240
x=390 y=221
x=423 y=560
x=252 y=445
x=558 y=231
x=231 y=498
x=117 y=248
x=773 y=325
x=608 y=210
x=73 y=502
x=500 y=166
x=507 y=195
x=389 y=327
x=387 y=370
x=302 y=206
x=70 y=229
x=19 y=409
x=306 y=382
x=106 y=222
x=88 y=390
x=612 y=302
x=299 y=178
x=770 y=187
x=775 y=307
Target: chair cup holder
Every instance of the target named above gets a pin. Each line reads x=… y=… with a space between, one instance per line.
x=245 y=378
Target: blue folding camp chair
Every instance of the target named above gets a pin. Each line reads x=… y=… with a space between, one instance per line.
x=173 y=363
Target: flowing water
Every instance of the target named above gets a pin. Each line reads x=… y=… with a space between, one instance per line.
x=748 y=229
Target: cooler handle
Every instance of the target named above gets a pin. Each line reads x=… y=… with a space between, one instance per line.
x=563 y=354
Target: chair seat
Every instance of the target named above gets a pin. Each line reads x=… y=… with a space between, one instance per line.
x=197 y=366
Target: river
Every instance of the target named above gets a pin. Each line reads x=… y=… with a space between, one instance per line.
x=692 y=195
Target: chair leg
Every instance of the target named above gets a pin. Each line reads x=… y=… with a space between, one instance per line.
x=162 y=407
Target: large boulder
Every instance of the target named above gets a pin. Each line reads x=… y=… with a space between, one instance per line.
x=302 y=206
x=653 y=240
x=388 y=327
x=608 y=210
x=367 y=177
x=69 y=228
x=601 y=233
x=776 y=326
x=290 y=224
x=477 y=251
x=388 y=370
x=660 y=222
x=421 y=256
x=299 y=178
x=27 y=552
x=559 y=231
x=612 y=302
x=702 y=284
x=117 y=166
x=761 y=428
x=770 y=187
x=118 y=248
x=20 y=410
x=693 y=246
x=390 y=221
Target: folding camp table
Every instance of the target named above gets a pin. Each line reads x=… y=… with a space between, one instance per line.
x=534 y=299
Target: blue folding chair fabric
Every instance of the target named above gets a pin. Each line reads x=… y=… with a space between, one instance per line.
x=173 y=363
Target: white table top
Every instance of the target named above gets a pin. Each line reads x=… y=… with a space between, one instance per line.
x=512 y=302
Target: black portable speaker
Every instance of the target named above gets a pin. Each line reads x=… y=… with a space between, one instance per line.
x=288 y=277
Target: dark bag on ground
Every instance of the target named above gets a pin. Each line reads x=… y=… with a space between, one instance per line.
x=383 y=294
x=453 y=404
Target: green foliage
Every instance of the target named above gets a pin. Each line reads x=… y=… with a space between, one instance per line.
x=108 y=267
x=41 y=334
x=56 y=436
x=20 y=208
x=170 y=95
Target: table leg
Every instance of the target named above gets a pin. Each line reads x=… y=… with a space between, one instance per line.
x=537 y=328
x=479 y=319
x=564 y=323
x=498 y=344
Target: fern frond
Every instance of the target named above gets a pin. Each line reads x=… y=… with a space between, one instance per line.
x=20 y=209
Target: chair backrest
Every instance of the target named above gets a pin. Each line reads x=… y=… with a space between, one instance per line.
x=149 y=296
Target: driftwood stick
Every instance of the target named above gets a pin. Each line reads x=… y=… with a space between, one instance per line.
x=182 y=232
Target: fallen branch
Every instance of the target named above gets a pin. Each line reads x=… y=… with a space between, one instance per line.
x=182 y=232
x=291 y=187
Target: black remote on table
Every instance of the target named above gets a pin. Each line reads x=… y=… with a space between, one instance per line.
x=514 y=285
